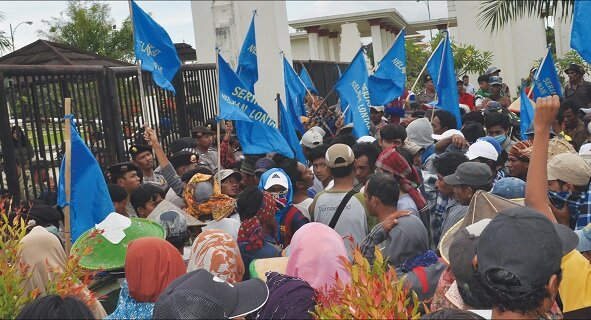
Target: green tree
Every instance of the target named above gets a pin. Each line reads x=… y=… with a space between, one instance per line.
x=4 y=38
x=88 y=25
x=495 y=14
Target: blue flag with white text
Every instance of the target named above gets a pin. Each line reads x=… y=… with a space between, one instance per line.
x=546 y=81
x=256 y=130
x=580 y=36
x=295 y=94
x=248 y=70
x=353 y=91
x=388 y=81
x=90 y=202
x=308 y=81
x=526 y=113
x=289 y=132
x=154 y=48
x=442 y=70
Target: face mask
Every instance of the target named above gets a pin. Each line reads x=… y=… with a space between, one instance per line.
x=280 y=196
x=52 y=229
x=500 y=138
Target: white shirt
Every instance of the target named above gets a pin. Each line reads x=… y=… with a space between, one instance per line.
x=470 y=89
x=303 y=207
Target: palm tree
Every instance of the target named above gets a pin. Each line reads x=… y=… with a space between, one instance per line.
x=4 y=38
x=497 y=13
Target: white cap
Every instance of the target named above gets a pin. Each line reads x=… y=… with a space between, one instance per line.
x=277 y=178
x=585 y=152
x=311 y=139
x=586 y=110
x=319 y=130
x=482 y=149
x=447 y=134
x=366 y=139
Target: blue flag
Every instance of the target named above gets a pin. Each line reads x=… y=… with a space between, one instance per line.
x=248 y=70
x=308 y=81
x=90 y=202
x=388 y=81
x=257 y=132
x=580 y=36
x=353 y=91
x=153 y=47
x=289 y=133
x=526 y=113
x=546 y=81
x=442 y=70
x=295 y=93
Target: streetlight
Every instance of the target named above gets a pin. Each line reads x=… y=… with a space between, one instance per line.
x=12 y=31
x=429 y=13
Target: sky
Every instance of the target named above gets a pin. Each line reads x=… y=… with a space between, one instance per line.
x=176 y=18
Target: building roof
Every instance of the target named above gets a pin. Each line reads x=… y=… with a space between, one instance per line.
x=44 y=52
x=185 y=52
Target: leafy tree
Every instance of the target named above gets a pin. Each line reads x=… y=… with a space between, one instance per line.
x=88 y=25
x=495 y=14
x=4 y=38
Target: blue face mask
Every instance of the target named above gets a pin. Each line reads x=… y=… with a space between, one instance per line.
x=500 y=138
x=52 y=229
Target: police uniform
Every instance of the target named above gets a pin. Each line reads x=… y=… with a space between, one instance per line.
x=156 y=178
x=179 y=159
x=207 y=159
x=121 y=168
x=424 y=97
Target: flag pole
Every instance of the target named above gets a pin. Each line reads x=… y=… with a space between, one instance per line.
x=217 y=106
x=68 y=174
x=278 y=97
x=423 y=70
x=145 y=113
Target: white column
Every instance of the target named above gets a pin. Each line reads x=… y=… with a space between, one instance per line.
x=376 y=38
x=332 y=47
x=313 y=45
x=350 y=41
x=322 y=47
x=562 y=29
x=204 y=31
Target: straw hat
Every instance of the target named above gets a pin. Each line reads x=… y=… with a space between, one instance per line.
x=558 y=146
x=259 y=267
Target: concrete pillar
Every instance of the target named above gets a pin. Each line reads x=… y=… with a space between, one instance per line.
x=562 y=29
x=383 y=27
x=313 y=42
x=376 y=39
x=333 y=46
x=350 y=41
x=204 y=31
x=323 y=44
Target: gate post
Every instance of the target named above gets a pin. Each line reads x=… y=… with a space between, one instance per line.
x=7 y=147
x=181 y=104
x=111 y=114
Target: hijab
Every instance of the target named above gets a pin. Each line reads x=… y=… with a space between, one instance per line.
x=314 y=256
x=218 y=253
x=289 y=298
x=205 y=199
x=151 y=265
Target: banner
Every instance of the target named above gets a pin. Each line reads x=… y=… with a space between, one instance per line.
x=295 y=94
x=526 y=113
x=247 y=70
x=353 y=91
x=546 y=81
x=580 y=36
x=389 y=79
x=289 y=132
x=308 y=81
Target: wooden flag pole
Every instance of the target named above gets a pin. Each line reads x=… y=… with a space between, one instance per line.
x=68 y=174
x=145 y=112
x=217 y=104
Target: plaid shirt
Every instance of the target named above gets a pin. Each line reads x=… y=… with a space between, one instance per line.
x=437 y=217
x=227 y=162
x=579 y=206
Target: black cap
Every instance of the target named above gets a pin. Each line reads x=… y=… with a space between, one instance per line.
x=201 y=130
x=525 y=243
x=136 y=149
x=470 y=174
x=183 y=158
x=43 y=215
x=182 y=144
x=574 y=67
x=427 y=78
x=122 y=168
x=201 y=295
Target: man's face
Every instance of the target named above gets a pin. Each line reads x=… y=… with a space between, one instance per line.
x=121 y=207
x=387 y=144
x=483 y=85
x=369 y=202
x=495 y=131
x=231 y=186
x=182 y=169
x=204 y=141
x=149 y=207
x=362 y=169
x=573 y=76
x=570 y=119
x=429 y=85
x=321 y=170
x=460 y=86
x=436 y=124
x=376 y=116
x=463 y=194
x=248 y=180
x=556 y=186
x=443 y=187
x=466 y=80
x=307 y=176
x=495 y=89
x=516 y=167
x=129 y=182
x=144 y=160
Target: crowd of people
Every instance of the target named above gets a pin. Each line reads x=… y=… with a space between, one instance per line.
x=409 y=188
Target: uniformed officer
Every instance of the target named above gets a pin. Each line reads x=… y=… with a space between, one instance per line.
x=184 y=161
x=428 y=94
x=141 y=156
x=125 y=174
x=207 y=156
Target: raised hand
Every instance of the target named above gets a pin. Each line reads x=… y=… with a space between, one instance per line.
x=545 y=112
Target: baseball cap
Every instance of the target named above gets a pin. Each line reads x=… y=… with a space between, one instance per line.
x=363 y=139
x=525 y=243
x=492 y=141
x=226 y=173
x=471 y=174
x=311 y=139
x=447 y=134
x=491 y=70
x=574 y=67
x=584 y=238
x=509 y=188
x=482 y=149
x=201 y=295
x=412 y=147
x=570 y=168
x=339 y=155
x=319 y=130
x=495 y=80
x=277 y=178
x=263 y=164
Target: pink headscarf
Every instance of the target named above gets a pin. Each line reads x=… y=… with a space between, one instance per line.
x=314 y=256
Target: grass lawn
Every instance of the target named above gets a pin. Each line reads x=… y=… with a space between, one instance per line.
x=49 y=137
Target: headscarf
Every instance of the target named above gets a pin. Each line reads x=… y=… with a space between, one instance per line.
x=151 y=265
x=522 y=149
x=408 y=177
x=219 y=205
x=314 y=255
x=281 y=212
x=289 y=298
x=43 y=252
x=419 y=132
x=218 y=253
x=251 y=231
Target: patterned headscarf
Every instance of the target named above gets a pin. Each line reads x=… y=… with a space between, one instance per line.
x=392 y=162
x=522 y=149
x=289 y=298
x=250 y=231
x=218 y=253
x=219 y=205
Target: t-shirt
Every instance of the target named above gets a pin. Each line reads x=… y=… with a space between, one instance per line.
x=405 y=202
x=470 y=89
x=575 y=286
x=303 y=207
x=353 y=219
x=229 y=225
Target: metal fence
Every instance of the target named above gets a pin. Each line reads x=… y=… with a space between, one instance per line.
x=108 y=114
x=324 y=75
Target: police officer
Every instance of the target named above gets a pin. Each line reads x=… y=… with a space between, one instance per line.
x=428 y=94
x=125 y=174
x=141 y=156
x=207 y=156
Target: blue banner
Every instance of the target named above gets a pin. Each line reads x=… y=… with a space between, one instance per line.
x=289 y=133
x=256 y=130
x=154 y=49
x=353 y=91
x=526 y=113
x=388 y=81
x=90 y=202
x=308 y=81
x=295 y=93
x=580 y=36
x=546 y=81
x=248 y=70
x=442 y=70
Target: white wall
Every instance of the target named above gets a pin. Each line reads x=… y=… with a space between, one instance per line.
x=300 y=49
x=203 y=30
x=515 y=47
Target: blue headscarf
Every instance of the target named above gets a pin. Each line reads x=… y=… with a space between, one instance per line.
x=282 y=211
